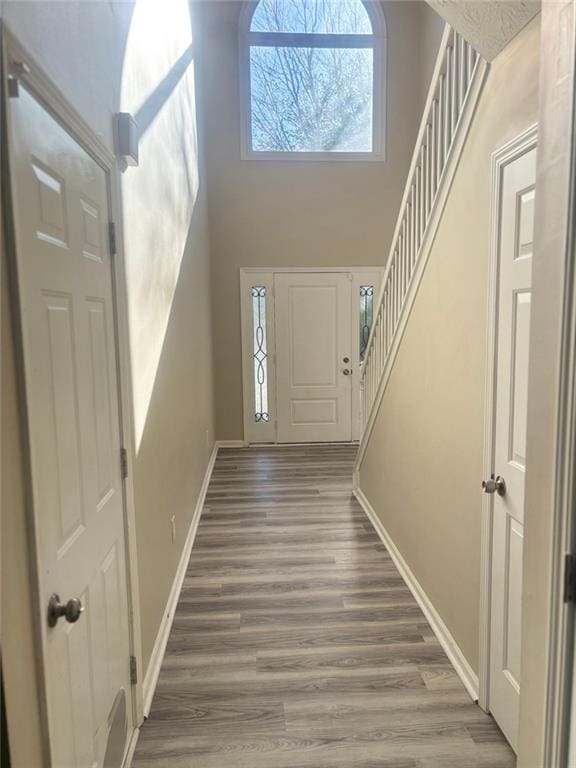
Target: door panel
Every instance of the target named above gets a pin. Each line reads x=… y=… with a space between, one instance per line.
x=516 y=228
x=66 y=298
x=313 y=336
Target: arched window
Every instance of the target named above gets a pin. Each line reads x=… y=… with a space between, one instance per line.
x=312 y=72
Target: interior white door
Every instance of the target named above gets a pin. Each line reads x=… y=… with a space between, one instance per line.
x=516 y=228
x=314 y=357
x=67 y=315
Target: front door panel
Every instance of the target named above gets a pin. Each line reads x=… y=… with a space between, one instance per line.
x=314 y=368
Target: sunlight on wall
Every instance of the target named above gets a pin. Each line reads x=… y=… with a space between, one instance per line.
x=158 y=196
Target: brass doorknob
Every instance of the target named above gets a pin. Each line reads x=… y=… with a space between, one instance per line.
x=71 y=611
x=495 y=485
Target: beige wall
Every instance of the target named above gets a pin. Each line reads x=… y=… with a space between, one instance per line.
x=557 y=95
x=265 y=213
x=106 y=57
x=423 y=466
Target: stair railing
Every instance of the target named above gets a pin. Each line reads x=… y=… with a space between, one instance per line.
x=454 y=91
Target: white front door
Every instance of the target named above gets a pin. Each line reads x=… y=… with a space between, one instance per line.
x=516 y=229
x=64 y=268
x=314 y=357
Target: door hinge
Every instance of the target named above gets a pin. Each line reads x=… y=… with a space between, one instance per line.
x=570 y=579
x=124 y=463
x=112 y=237
x=133 y=670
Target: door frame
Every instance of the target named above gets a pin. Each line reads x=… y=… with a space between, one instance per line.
x=246 y=276
x=511 y=151
x=51 y=98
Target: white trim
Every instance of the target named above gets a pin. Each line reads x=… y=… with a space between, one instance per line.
x=379 y=46
x=230 y=444
x=463 y=669
x=511 y=151
x=445 y=185
x=157 y=656
x=50 y=96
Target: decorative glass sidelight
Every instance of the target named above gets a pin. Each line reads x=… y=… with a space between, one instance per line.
x=260 y=353
x=366 y=309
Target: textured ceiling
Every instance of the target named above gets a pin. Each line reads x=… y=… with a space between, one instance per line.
x=488 y=25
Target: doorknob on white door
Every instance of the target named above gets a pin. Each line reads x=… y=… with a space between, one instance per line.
x=71 y=611
x=346 y=371
x=495 y=485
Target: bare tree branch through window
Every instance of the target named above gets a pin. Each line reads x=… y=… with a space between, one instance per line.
x=313 y=96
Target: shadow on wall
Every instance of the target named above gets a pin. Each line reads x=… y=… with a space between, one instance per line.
x=158 y=87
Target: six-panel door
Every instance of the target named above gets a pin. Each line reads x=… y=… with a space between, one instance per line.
x=516 y=234
x=66 y=297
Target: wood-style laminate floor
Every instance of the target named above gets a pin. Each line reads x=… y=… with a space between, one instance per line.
x=296 y=643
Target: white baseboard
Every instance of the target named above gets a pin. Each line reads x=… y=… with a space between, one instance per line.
x=465 y=672
x=230 y=444
x=151 y=677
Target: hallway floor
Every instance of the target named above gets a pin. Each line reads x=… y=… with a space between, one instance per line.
x=296 y=643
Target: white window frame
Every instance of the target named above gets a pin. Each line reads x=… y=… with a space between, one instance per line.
x=376 y=41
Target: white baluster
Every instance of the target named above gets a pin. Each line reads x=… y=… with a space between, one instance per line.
x=421 y=212
x=447 y=106
x=388 y=317
x=417 y=191
x=381 y=353
x=454 y=88
x=462 y=69
x=429 y=156
x=434 y=158
x=392 y=297
x=375 y=355
x=441 y=124
x=398 y=291
x=407 y=254
x=369 y=397
x=412 y=227
x=403 y=259
x=380 y=346
x=425 y=154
